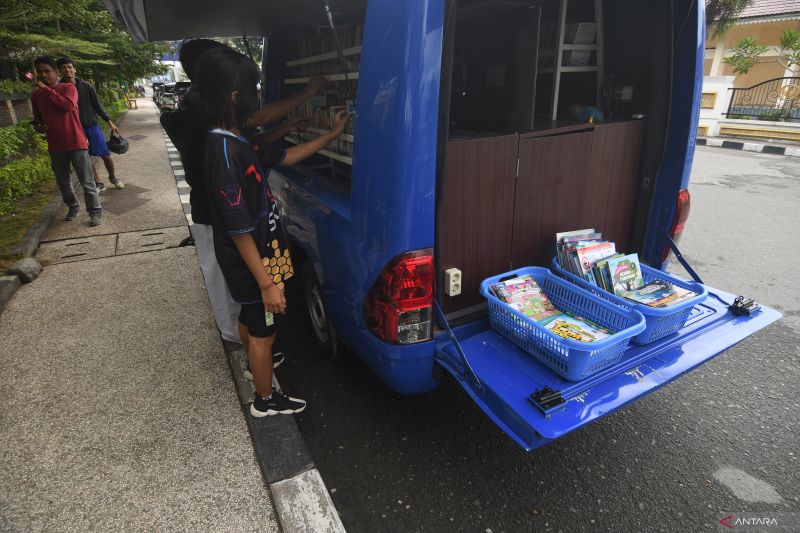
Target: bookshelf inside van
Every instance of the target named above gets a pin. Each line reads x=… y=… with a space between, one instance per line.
x=555 y=116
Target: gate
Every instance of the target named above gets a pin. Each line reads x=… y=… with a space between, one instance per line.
x=777 y=99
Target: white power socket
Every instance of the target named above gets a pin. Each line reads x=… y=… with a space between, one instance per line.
x=452 y=282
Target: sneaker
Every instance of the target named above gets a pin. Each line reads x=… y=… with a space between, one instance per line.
x=72 y=213
x=277 y=404
x=116 y=183
x=100 y=187
x=94 y=220
x=277 y=359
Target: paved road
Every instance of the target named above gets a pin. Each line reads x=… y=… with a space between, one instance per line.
x=721 y=440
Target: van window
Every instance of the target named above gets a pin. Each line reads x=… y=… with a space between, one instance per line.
x=310 y=49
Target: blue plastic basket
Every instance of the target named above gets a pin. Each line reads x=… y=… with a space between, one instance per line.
x=661 y=321
x=569 y=358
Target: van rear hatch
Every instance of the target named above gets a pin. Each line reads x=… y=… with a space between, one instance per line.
x=502 y=379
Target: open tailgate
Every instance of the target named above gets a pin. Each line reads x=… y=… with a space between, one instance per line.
x=503 y=377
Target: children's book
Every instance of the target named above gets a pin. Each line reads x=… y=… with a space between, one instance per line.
x=588 y=255
x=601 y=272
x=659 y=294
x=568 y=326
x=625 y=273
x=525 y=295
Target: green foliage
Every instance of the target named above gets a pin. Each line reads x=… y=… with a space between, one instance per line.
x=747 y=52
x=26 y=165
x=15 y=87
x=789 y=49
x=24 y=47
x=19 y=140
x=80 y=29
x=113 y=100
x=20 y=178
x=721 y=14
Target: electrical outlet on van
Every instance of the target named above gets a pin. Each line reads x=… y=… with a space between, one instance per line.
x=452 y=282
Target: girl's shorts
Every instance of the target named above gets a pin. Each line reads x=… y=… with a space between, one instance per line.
x=258 y=321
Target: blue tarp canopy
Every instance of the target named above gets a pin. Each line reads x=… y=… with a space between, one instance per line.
x=170 y=20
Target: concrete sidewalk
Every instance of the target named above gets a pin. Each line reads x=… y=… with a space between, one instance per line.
x=117 y=407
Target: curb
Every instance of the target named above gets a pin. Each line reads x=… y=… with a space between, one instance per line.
x=302 y=502
x=30 y=241
x=27 y=246
x=773 y=149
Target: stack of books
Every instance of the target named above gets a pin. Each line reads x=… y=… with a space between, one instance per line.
x=587 y=255
x=527 y=297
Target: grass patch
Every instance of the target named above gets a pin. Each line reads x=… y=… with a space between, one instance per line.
x=26 y=211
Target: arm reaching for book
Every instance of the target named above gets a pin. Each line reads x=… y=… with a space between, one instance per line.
x=303 y=151
x=275 y=111
x=292 y=125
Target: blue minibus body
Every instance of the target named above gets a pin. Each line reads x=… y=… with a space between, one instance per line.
x=453 y=162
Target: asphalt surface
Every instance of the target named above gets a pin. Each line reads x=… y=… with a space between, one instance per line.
x=721 y=440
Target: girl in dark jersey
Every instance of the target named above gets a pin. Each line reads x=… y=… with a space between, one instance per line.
x=248 y=238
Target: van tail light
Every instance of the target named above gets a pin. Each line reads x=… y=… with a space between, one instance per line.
x=399 y=306
x=681 y=214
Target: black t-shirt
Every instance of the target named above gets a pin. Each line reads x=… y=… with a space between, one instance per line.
x=241 y=201
x=188 y=131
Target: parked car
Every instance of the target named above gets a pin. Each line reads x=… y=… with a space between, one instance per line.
x=461 y=161
x=168 y=98
x=181 y=88
x=158 y=87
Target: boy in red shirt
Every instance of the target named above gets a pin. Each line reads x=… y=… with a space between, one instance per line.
x=55 y=110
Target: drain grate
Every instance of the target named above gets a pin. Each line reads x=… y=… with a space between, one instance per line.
x=150 y=240
x=78 y=249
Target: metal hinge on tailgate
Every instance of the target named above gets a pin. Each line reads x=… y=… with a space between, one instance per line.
x=545 y=399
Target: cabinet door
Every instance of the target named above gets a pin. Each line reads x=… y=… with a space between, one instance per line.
x=549 y=195
x=475 y=215
x=613 y=179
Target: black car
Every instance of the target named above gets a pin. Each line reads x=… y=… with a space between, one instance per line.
x=167 y=101
x=181 y=88
x=158 y=88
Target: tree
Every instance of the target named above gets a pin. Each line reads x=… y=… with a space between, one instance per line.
x=721 y=14
x=80 y=29
x=748 y=52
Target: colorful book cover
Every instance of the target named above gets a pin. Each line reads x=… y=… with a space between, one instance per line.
x=572 y=327
x=589 y=255
x=625 y=273
x=525 y=295
x=659 y=294
x=605 y=277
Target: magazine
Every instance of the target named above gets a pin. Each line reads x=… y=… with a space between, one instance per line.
x=625 y=273
x=525 y=295
x=568 y=326
x=659 y=293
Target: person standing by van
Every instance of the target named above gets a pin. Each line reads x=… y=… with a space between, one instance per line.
x=89 y=107
x=187 y=129
x=55 y=112
x=248 y=233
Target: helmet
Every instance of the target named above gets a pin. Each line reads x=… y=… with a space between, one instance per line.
x=117 y=144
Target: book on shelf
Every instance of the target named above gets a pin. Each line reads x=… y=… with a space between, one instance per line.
x=587 y=255
x=659 y=293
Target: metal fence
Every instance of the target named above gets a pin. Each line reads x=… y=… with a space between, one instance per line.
x=777 y=99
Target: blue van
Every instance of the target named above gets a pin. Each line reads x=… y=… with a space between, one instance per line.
x=481 y=128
